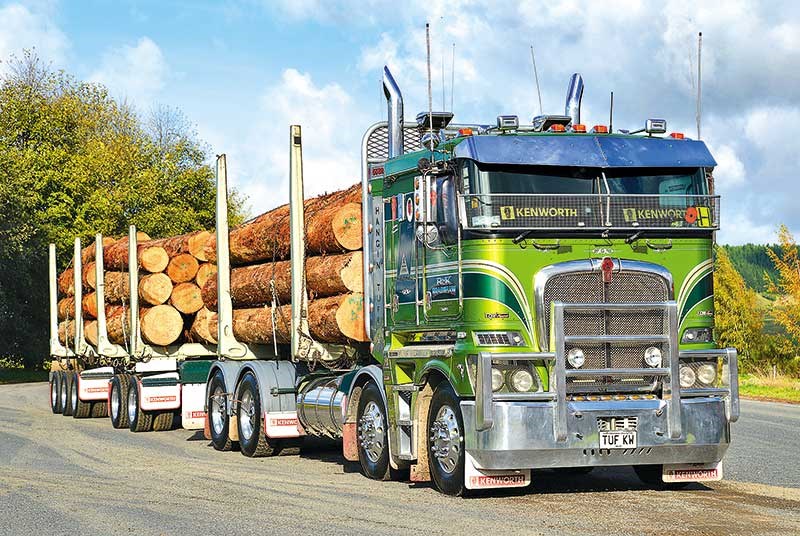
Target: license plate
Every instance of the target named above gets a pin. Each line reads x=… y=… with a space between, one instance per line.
x=618 y=439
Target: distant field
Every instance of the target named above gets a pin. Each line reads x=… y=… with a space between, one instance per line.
x=780 y=389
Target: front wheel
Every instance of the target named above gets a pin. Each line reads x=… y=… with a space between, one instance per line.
x=373 y=436
x=446 y=441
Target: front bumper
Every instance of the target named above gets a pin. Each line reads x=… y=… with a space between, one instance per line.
x=523 y=434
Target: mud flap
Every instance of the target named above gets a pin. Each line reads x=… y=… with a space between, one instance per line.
x=475 y=478
x=692 y=472
x=192 y=402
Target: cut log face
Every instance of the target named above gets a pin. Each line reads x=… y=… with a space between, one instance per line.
x=90 y=305
x=161 y=325
x=196 y=245
x=89 y=275
x=325 y=276
x=201 y=328
x=206 y=271
x=186 y=298
x=66 y=308
x=267 y=237
x=151 y=258
x=155 y=289
x=66 y=282
x=182 y=268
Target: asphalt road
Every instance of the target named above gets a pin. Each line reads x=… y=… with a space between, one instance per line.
x=59 y=475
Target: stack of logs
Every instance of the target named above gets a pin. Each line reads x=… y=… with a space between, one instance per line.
x=178 y=284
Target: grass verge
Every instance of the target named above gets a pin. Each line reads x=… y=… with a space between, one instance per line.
x=780 y=389
x=21 y=375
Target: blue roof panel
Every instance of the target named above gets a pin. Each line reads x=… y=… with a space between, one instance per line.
x=585 y=151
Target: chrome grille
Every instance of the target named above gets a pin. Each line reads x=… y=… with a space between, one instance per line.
x=587 y=286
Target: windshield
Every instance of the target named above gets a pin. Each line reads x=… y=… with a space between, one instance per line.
x=504 y=179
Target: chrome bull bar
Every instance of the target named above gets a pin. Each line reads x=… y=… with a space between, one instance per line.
x=671 y=391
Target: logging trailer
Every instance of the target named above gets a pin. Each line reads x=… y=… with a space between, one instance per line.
x=535 y=297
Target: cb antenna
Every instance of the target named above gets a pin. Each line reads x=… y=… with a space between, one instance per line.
x=536 y=77
x=452 y=76
x=430 y=91
x=699 y=109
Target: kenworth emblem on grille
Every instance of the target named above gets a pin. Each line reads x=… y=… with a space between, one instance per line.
x=607 y=266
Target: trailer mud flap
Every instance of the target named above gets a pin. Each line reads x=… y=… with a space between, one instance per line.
x=92 y=389
x=692 y=472
x=475 y=478
x=192 y=403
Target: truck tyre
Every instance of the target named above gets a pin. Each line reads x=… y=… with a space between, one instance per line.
x=651 y=476
x=138 y=420
x=252 y=437
x=55 y=392
x=99 y=410
x=118 y=411
x=218 y=418
x=163 y=420
x=373 y=435
x=66 y=392
x=80 y=409
x=446 y=441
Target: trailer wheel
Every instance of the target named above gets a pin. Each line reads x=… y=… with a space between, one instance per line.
x=446 y=441
x=651 y=476
x=373 y=436
x=99 y=409
x=138 y=420
x=80 y=409
x=55 y=392
x=252 y=437
x=219 y=420
x=120 y=384
x=163 y=421
x=66 y=392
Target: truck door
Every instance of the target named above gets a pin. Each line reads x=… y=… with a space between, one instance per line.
x=403 y=296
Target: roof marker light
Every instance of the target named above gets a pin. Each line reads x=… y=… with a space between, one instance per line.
x=600 y=129
x=557 y=128
x=676 y=135
x=465 y=132
x=579 y=128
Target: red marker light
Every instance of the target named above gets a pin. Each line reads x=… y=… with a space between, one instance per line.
x=607 y=266
x=465 y=132
x=557 y=128
x=676 y=135
x=579 y=128
x=600 y=129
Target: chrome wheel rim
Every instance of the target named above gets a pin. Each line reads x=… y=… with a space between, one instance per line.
x=446 y=439
x=53 y=394
x=63 y=393
x=114 y=401
x=247 y=415
x=218 y=410
x=371 y=432
x=132 y=404
x=74 y=391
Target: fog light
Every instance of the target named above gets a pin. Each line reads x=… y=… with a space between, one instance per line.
x=652 y=356
x=576 y=357
x=521 y=380
x=688 y=376
x=707 y=374
x=497 y=379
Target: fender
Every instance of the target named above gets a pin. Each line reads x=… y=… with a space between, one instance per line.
x=372 y=372
x=279 y=410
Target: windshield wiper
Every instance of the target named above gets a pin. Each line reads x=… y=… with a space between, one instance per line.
x=634 y=237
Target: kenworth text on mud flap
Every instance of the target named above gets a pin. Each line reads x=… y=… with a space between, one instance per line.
x=536 y=296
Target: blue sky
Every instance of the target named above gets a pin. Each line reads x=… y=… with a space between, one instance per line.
x=242 y=71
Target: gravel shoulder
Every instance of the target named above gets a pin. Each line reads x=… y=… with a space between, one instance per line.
x=59 y=475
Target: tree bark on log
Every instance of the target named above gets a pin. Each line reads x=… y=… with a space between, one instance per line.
x=201 y=330
x=192 y=243
x=161 y=325
x=87 y=253
x=182 y=268
x=329 y=217
x=336 y=319
x=66 y=282
x=66 y=330
x=186 y=298
x=90 y=332
x=89 y=305
x=155 y=289
x=117 y=287
x=325 y=276
x=206 y=271
x=151 y=258
x=66 y=308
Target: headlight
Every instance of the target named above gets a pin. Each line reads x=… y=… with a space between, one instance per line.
x=706 y=374
x=521 y=380
x=652 y=356
x=576 y=357
x=688 y=376
x=696 y=335
x=497 y=379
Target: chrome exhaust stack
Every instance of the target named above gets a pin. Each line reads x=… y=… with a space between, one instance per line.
x=574 y=96
x=394 y=101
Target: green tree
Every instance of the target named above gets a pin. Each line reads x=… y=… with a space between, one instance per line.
x=737 y=321
x=74 y=163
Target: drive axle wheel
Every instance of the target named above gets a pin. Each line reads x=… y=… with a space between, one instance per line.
x=218 y=418
x=80 y=409
x=651 y=475
x=55 y=392
x=99 y=409
x=163 y=420
x=253 y=439
x=67 y=379
x=446 y=441
x=373 y=439
x=120 y=384
x=138 y=420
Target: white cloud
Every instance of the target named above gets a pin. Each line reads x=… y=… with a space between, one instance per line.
x=730 y=169
x=22 y=28
x=136 y=72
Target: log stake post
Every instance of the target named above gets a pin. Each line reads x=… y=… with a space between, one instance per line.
x=303 y=347
x=80 y=346
x=227 y=345
x=57 y=350
x=135 y=335
x=104 y=346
